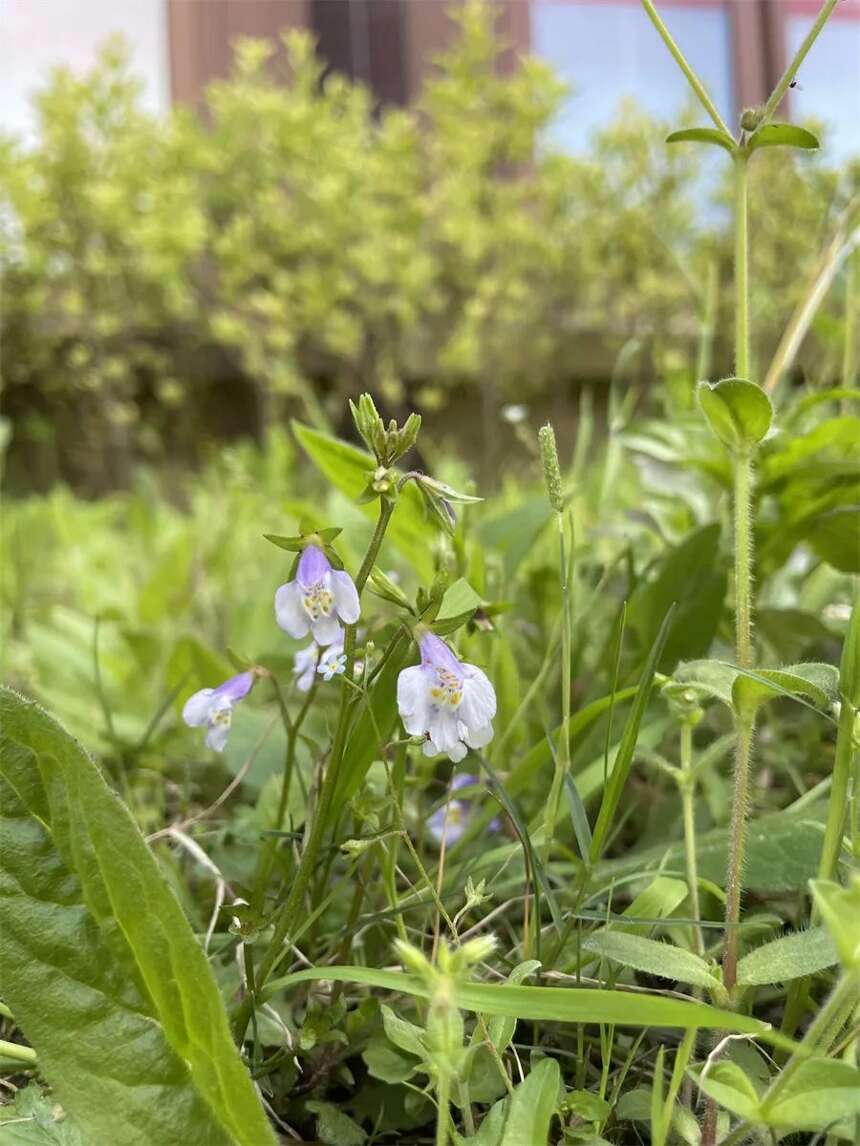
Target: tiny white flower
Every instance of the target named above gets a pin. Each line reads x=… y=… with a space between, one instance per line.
x=332 y=663
x=449 y=702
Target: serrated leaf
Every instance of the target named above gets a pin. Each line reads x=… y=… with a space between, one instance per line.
x=132 y=1031
x=702 y=135
x=789 y=957
x=652 y=956
x=820 y=1092
x=783 y=135
x=738 y=411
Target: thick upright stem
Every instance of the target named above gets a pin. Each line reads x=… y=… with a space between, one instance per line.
x=742 y=337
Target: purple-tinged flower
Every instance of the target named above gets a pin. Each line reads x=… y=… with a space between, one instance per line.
x=449 y=702
x=305 y=665
x=449 y=823
x=317 y=599
x=214 y=708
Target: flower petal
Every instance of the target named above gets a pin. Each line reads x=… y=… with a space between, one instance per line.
x=198 y=707
x=479 y=737
x=435 y=652
x=289 y=611
x=345 y=596
x=325 y=630
x=216 y=737
x=313 y=565
x=413 y=700
x=236 y=687
x=478 y=706
x=443 y=728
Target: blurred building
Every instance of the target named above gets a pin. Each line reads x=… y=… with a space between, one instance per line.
x=606 y=49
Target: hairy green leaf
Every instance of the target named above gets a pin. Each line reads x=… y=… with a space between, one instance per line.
x=98 y=962
x=652 y=956
x=738 y=411
x=789 y=957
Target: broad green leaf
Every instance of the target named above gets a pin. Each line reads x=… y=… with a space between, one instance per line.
x=532 y=1105
x=839 y=907
x=405 y=1036
x=783 y=852
x=789 y=957
x=98 y=962
x=347 y=468
x=834 y=537
x=783 y=135
x=692 y=576
x=458 y=606
x=709 y=678
x=652 y=956
x=624 y=758
x=728 y=1085
x=752 y=688
x=551 y=1004
x=820 y=1092
x=334 y=1128
x=738 y=411
x=702 y=135
x=386 y=1062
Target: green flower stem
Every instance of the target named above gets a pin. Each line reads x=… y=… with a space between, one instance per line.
x=19 y=1053
x=790 y=72
x=742 y=302
x=688 y=791
x=838 y=803
x=678 y=56
x=743 y=484
x=286 y=913
x=562 y=762
x=292 y=729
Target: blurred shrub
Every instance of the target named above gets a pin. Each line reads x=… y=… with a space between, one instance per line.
x=167 y=278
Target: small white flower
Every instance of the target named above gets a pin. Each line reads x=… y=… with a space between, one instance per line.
x=449 y=702
x=332 y=663
x=305 y=665
x=317 y=600
x=214 y=708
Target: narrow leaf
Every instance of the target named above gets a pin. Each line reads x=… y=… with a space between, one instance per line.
x=789 y=957
x=652 y=956
x=783 y=135
x=702 y=135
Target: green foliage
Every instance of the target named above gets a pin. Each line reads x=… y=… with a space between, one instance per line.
x=297 y=246
x=82 y=895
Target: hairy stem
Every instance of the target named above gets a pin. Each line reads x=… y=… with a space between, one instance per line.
x=737 y=845
x=742 y=302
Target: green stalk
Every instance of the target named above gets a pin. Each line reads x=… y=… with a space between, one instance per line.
x=800 y=55
x=286 y=913
x=742 y=302
x=19 y=1053
x=562 y=761
x=849 y=348
x=678 y=56
x=687 y=785
x=443 y=1101
x=737 y=845
x=838 y=803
